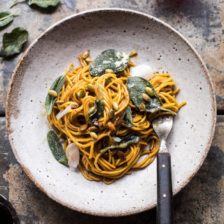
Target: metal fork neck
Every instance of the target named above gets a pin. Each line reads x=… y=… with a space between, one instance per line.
x=163 y=147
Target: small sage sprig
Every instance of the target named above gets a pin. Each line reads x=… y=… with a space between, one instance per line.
x=13 y=42
x=56 y=147
x=50 y=100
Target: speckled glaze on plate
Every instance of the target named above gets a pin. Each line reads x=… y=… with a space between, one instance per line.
x=50 y=55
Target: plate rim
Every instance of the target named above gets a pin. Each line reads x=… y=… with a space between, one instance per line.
x=27 y=171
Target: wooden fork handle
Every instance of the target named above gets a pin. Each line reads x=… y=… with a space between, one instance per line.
x=164 y=189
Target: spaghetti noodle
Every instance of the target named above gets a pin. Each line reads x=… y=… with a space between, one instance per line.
x=93 y=110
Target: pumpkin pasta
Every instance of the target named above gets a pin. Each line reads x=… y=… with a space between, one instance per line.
x=112 y=132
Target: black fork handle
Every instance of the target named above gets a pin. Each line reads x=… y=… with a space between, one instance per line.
x=164 y=189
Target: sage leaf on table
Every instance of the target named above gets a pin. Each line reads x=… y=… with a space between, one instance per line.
x=123 y=143
x=109 y=59
x=136 y=88
x=15 y=2
x=44 y=3
x=97 y=112
x=13 y=42
x=128 y=121
x=56 y=147
x=50 y=100
x=6 y=18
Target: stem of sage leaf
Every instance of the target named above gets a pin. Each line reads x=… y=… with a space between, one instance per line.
x=15 y=2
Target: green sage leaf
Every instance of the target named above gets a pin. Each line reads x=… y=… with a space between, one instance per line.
x=6 y=18
x=13 y=42
x=128 y=121
x=98 y=112
x=123 y=144
x=109 y=59
x=50 y=100
x=136 y=87
x=44 y=3
x=56 y=147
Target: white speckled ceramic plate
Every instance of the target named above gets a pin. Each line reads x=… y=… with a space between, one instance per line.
x=158 y=45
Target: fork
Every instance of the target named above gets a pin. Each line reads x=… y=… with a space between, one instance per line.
x=162 y=126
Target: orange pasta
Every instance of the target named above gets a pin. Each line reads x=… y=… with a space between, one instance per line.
x=96 y=120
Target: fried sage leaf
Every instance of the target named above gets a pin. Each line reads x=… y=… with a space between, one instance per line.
x=50 y=100
x=6 y=18
x=109 y=59
x=128 y=121
x=123 y=144
x=136 y=88
x=44 y=3
x=97 y=112
x=13 y=42
x=56 y=147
